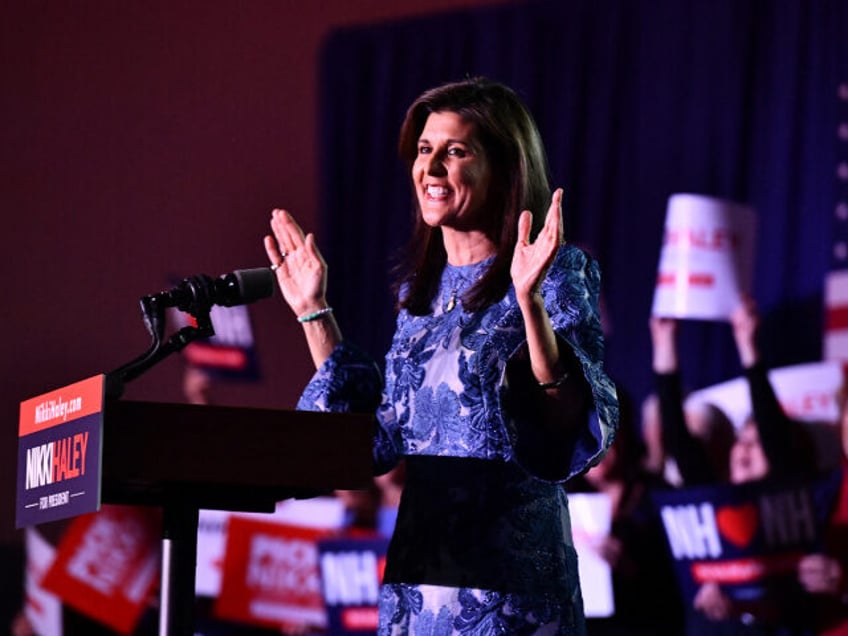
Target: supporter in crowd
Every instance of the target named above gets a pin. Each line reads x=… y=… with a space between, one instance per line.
x=768 y=445
x=197 y=385
x=374 y=510
x=825 y=574
x=703 y=442
x=697 y=441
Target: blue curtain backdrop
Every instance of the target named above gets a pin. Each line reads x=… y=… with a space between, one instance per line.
x=635 y=101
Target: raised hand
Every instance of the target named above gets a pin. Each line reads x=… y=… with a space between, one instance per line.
x=746 y=322
x=530 y=261
x=301 y=270
x=664 y=342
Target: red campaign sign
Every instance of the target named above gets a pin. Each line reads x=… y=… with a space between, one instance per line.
x=202 y=354
x=107 y=565
x=270 y=575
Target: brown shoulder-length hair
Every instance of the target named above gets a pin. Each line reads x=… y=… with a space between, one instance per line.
x=519 y=181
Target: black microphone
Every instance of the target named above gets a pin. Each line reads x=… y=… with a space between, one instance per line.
x=199 y=293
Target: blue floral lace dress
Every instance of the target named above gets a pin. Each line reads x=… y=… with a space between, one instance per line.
x=482 y=544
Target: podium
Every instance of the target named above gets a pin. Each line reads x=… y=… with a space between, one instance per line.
x=184 y=457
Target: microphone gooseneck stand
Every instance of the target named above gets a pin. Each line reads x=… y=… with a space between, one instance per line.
x=198 y=302
x=180 y=514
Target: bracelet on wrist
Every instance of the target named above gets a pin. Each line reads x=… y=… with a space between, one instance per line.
x=555 y=384
x=315 y=315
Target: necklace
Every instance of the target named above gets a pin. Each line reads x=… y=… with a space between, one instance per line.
x=458 y=278
x=451 y=300
x=459 y=286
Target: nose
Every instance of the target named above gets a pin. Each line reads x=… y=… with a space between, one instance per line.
x=435 y=165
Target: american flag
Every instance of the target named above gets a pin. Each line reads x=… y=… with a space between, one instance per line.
x=836 y=282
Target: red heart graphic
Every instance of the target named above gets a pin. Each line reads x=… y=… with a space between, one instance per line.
x=738 y=524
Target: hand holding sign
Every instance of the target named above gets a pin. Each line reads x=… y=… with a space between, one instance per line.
x=714 y=603
x=738 y=546
x=820 y=574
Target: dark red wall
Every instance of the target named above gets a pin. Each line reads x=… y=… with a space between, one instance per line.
x=143 y=140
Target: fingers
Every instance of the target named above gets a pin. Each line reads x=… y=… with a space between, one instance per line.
x=553 y=220
x=551 y=231
x=273 y=252
x=525 y=222
x=312 y=249
x=287 y=232
x=531 y=260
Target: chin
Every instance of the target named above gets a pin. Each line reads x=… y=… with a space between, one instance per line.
x=433 y=219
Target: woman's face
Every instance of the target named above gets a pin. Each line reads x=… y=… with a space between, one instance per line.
x=748 y=461
x=451 y=173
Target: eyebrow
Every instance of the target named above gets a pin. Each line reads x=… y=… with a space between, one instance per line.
x=449 y=141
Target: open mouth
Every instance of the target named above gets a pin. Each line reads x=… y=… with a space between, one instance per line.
x=436 y=193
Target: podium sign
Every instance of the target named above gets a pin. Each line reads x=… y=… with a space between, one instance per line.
x=59 y=453
x=75 y=446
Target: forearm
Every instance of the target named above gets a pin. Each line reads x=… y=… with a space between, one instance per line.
x=542 y=345
x=690 y=455
x=554 y=367
x=664 y=356
x=775 y=428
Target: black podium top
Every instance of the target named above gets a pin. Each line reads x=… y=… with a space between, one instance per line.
x=230 y=458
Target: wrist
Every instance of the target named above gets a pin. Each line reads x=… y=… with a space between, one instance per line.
x=664 y=365
x=556 y=383
x=748 y=359
x=530 y=303
x=318 y=314
x=309 y=306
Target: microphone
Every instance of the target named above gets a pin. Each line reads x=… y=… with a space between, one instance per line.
x=199 y=293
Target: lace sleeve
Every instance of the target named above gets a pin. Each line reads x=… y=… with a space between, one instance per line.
x=348 y=381
x=571 y=293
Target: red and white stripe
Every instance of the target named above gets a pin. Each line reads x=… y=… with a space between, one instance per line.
x=836 y=315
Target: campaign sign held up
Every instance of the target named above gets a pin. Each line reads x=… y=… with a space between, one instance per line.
x=270 y=575
x=59 y=453
x=744 y=537
x=351 y=573
x=231 y=353
x=107 y=565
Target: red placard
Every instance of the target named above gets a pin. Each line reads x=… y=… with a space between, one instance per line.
x=271 y=575
x=107 y=564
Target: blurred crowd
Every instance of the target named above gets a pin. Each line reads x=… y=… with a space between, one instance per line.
x=666 y=443
x=677 y=444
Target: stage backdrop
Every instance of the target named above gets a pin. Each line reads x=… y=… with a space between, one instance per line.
x=635 y=101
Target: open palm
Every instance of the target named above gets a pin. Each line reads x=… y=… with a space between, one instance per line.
x=530 y=261
x=302 y=271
